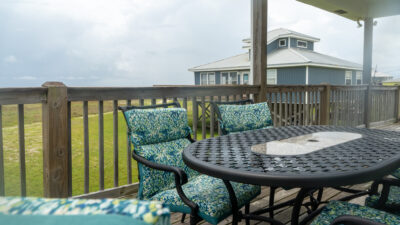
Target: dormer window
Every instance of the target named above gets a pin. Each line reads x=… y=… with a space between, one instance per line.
x=282 y=43
x=301 y=44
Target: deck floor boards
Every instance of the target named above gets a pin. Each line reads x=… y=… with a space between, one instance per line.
x=282 y=195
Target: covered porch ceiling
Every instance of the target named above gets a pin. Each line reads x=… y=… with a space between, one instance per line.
x=358 y=9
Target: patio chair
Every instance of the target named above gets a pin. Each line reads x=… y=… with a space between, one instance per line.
x=388 y=199
x=45 y=211
x=243 y=115
x=337 y=212
x=159 y=135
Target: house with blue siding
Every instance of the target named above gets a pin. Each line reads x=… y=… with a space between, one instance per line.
x=291 y=59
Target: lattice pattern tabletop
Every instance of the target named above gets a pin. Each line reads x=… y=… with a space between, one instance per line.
x=375 y=154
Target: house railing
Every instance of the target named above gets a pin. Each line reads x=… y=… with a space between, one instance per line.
x=289 y=105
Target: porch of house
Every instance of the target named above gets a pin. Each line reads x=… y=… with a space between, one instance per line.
x=290 y=106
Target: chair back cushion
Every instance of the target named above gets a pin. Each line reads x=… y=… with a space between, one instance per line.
x=159 y=135
x=167 y=153
x=150 y=126
x=236 y=118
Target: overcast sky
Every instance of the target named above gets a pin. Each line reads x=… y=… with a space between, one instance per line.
x=146 y=42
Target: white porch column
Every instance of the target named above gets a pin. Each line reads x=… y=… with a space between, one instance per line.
x=367 y=65
x=368 y=42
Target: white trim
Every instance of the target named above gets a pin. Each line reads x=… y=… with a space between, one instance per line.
x=313 y=39
x=229 y=76
x=208 y=78
x=277 y=66
x=297 y=44
x=359 y=73
x=345 y=77
x=248 y=76
x=307 y=81
x=300 y=37
x=307 y=75
x=207 y=81
x=288 y=42
x=275 y=77
x=279 y=43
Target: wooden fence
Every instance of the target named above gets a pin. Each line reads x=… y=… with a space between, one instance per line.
x=289 y=105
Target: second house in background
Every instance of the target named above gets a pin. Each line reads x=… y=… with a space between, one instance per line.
x=291 y=60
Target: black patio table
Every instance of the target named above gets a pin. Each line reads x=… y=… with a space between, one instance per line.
x=242 y=157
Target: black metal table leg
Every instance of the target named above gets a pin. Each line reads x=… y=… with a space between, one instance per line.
x=234 y=203
x=271 y=200
x=298 y=204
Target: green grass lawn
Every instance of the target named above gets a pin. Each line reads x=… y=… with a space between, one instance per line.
x=34 y=156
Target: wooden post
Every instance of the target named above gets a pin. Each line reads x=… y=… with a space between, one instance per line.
x=55 y=141
x=325 y=104
x=259 y=47
x=397 y=104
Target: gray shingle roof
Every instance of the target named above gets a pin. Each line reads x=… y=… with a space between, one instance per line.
x=280 y=58
x=282 y=32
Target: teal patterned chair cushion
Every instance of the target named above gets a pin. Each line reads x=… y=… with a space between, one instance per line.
x=68 y=220
x=336 y=208
x=396 y=173
x=393 y=199
x=151 y=212
x=149 y=126
x=211 y=195
x=167 y=153
x=236 y=118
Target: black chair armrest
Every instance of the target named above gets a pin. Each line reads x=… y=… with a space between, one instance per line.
x=353 y=220
x=384 y=195
x=180 y=177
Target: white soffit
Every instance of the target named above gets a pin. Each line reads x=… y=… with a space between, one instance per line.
x=358 y=9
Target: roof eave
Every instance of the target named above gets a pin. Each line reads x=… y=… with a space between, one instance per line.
x=278 y=66
x=357 y=9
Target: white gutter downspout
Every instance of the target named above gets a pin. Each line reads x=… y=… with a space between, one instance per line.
x=307 y=75
x=307 y=80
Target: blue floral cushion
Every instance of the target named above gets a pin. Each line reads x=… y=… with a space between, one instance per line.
x=393 y=199
x=167 y=153
x=236 y=118
x=151 y=212
x=336 y=208
x=69 y=220
x=149 y=126
x=211 y=195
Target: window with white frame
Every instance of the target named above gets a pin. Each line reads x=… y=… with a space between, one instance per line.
x=245 y=78
x=230 y=78
x=301 y=44
x=359 y=77
x=203 y=78
x=348 y=78
x=282 y=42
x=207 y=78
x=211 y=78
x=224 y=78
x=271 y=76
x=233 y=78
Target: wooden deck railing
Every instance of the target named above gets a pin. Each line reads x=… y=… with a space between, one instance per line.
x=290 y=105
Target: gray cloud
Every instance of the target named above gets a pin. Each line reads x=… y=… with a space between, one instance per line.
x=140 y=43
